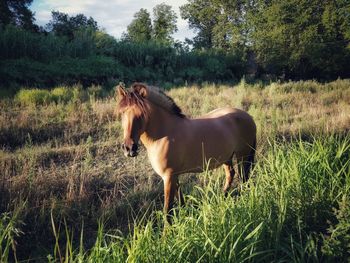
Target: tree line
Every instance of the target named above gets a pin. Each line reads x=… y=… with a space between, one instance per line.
x=299 y=39
x=288 y=39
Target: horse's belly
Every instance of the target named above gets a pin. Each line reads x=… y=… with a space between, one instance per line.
x=201 y=157
x=206 y=165
x=195 y=157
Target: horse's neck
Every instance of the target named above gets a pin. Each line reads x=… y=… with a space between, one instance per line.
x=160 y=124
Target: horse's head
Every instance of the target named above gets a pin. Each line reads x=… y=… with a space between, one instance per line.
x=133 y=110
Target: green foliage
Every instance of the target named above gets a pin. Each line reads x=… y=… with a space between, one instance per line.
x=286 y=39
x=301 y=38
x=58 y=95
x=34 y=97
x=68 y=70
x=337 y=243
x=62 y=94
x=220 y=24
x=95 y=91
x=17 y=13
x=79 y=94
x=291 y=38
x=298 y=86
x=64 y=25
x=140 y=28
x=9 y=231
x=164 y=23
x=96 y=58
x=21 y=44
x=201 y=16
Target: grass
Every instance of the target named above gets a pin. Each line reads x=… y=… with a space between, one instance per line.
x=289 y=212
x=61 y=94
x=79 y=199
x=9 y=231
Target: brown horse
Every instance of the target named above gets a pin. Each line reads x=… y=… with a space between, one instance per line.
x=176 y=144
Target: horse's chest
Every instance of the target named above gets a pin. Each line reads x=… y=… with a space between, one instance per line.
x=158 y=163
x=160 y=158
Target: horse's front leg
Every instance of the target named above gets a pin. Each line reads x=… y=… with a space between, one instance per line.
x=170 y=189
x=230 y=176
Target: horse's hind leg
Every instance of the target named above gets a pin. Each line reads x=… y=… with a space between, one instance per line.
x=245 y=162
x=230 y=174
x=179 y=195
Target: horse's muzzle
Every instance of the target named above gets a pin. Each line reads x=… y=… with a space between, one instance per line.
x=130 y=151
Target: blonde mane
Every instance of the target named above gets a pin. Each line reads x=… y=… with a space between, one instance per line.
x=158 y=97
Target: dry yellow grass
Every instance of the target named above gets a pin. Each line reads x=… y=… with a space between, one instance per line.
x=324 y=109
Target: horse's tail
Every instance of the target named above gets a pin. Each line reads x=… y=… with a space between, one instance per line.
x=252 y=153
x=250 y=161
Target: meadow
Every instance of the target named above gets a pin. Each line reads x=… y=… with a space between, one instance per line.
x=67 y=193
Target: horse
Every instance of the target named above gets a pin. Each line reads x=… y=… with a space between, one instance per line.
x=177 y=144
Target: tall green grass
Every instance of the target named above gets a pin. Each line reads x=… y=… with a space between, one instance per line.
x=9 y=231
x=294 y=209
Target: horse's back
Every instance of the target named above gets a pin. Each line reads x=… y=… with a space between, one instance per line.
x=233 y=113
x=237 y=121
x=219 y=134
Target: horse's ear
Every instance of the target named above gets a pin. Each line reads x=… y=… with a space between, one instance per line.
x=121 y=91
x=141 y=89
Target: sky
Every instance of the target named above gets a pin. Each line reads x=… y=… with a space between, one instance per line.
x=112 y=15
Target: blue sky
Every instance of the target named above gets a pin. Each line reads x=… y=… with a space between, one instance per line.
x=112 y=15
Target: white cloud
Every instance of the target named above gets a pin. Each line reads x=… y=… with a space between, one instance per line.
x=113 y=16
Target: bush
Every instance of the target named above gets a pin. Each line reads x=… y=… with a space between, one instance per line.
x=58 y=95
x=79 y=94
x=61 y=94
x=298 y=86
x=33 y=97
x=47 y=60
x=95 y=91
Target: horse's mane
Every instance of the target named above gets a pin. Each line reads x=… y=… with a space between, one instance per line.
x=154 y=95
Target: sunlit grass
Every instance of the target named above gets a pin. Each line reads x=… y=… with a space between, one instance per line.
x=288 y=212
x=62 y=158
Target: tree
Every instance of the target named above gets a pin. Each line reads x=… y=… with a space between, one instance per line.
x=140 y=29
x=296 y=38
x=301 y=38
x=164 y=24
x=64 y=25
x=230 y=33
x=16 y=12
x=105 y=43
x=202 y=17
x=219 y=23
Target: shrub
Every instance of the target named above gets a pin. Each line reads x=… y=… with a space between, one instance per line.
x=58 y=95
x=337 y=242
x=61 y=94
x=298 y=86
x=95 y=91
x=33 y=96
x=79 y=94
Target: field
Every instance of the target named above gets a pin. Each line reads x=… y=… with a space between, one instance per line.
x=67 y=193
